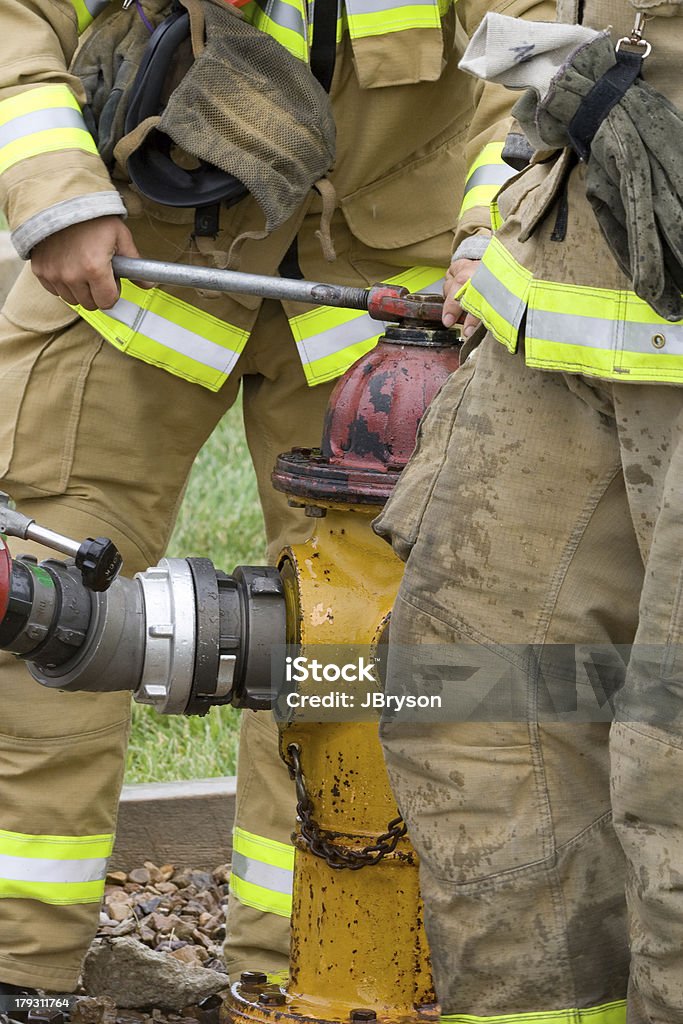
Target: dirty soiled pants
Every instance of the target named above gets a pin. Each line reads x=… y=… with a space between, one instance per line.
x=95 y=443
x=543 y=508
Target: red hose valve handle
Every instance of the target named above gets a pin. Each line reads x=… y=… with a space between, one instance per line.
x=5 y=575
x=391 y=303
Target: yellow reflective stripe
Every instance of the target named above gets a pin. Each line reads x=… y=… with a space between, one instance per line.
x=26 y=125
x=333 y=366
x=497 y=293
x=261 y=899
x=288 y=24
x=49 y=141
x=55 y=893
x=311 y=328
x=270 y=851
x=398 y=19
x=577 y=358
x=491 y=153
x=292 y=39
x=485 y=177
x=276 y=861
x=607 y=1013
x=603 y=332
x=87 y=11
x=496 y=218
x=480 y=195
x=160 y=329
x=82 y=14
x=60 y=870
x=41 y=97
x=18 y=844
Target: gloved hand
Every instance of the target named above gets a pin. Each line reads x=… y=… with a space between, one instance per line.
x=634 y=178
x=107 y=64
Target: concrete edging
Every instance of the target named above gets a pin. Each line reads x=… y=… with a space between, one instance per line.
x=187 y=824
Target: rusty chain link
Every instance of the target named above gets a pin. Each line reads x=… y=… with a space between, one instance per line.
x=320 y=842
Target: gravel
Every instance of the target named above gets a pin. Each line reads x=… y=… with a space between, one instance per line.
x=173 y=922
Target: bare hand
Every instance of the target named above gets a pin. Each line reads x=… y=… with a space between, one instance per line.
x=75 y=263
x=458 y=274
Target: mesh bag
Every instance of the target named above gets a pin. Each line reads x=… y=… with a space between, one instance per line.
x=251 y=108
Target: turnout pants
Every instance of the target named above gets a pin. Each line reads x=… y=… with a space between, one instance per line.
x=93 y=442
x=546 y=509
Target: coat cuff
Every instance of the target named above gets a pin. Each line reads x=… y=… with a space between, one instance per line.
x=63 y=215
x=472 y=248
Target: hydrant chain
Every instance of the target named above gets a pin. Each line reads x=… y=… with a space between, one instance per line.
x=322 y=844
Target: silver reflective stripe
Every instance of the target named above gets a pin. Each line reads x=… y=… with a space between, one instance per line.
x=36 y=869
x=505 y=302
x=40 y=121
x=264 y=875
x=374 y=6
x=341 y=337
x=594 y=332
x=352 y=332
x=96 y=7
x=489 y=174
x=284 y=15
x=172 y=336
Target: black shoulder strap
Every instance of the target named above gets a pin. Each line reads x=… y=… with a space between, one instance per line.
x=324 y=45
x=605 y=94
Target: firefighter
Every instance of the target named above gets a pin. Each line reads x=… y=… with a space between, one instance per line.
x=555 y=452
x=105 y=402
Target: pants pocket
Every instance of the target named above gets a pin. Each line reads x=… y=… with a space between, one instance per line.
x=45 y=357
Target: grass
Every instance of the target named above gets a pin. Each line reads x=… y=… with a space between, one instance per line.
x=220 y=519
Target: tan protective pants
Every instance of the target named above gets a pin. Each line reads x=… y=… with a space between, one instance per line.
x=546 y=509
x=93 y=442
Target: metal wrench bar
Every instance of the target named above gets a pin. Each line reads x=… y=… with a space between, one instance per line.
x=313 y=292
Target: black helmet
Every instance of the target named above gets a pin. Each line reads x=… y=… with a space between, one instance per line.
x=150 y=166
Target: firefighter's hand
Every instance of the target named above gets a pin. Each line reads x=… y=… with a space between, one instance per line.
x=75 y=263
x=458 y=274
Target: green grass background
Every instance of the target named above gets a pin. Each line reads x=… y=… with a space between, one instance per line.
x=220 y=519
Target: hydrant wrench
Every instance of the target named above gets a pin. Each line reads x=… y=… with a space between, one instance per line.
x=386 y=302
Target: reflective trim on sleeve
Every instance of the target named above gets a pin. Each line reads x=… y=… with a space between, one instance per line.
x=485 y=177
x=492 y=174
x=164 y=331
x=39 y=120
x=285 y=22
x=262 y=871
x=376 y=17
x=497 y=294
x=606 y=1013
x=87 y=11
x=330 y=340
x=60 y=870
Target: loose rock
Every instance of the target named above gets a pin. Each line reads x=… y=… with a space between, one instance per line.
x=134 y=976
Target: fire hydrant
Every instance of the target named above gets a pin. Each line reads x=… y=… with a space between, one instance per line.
x=358 y=950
